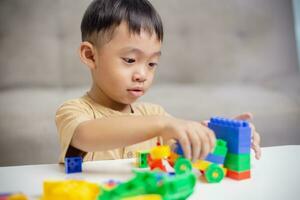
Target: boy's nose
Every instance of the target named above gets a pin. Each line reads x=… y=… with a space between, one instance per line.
x=139 y=76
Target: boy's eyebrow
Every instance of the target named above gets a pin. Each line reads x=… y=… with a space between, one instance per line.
x=138 y=51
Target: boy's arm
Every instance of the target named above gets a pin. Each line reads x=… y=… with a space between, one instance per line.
x=115 y=132
x=110 y=133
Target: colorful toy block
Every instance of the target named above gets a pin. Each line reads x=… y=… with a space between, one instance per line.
x=145 y=197
x=177 y=149
x=220 y=148
x=70 y=189
x=215 y=158
x=73 y=165
x=238 y=162
x=13 y=196
x=236 y=133
x=160 y=152
x=156 y=164
x=142 y=159
x=238 y=175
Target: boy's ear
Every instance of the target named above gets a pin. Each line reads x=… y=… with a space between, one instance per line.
x=87 y=54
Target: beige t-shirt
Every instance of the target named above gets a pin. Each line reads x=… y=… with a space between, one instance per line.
x=75 y=111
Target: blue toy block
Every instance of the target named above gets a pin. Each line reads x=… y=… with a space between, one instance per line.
x=215 y=158
x=73 y=164
x=178 y=149
x=236 y=133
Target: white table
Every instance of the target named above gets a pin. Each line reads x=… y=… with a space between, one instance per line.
x=275 y=176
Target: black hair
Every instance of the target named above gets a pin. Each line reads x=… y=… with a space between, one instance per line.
x=104 y=15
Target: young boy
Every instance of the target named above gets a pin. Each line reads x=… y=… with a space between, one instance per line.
x=121 y=46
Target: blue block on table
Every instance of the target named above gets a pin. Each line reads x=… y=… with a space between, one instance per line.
x=73 y=164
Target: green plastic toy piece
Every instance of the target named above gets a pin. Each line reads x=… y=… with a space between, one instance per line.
x=238 y=162
x=143 y=159
x=169 y=187
x=182 y=166
x=214 y=174
x=220 y=148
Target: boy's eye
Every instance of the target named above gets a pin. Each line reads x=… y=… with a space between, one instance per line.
x=152 y=64
x=129 y=60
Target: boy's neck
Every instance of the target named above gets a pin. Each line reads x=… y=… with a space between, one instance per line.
x=97 y=95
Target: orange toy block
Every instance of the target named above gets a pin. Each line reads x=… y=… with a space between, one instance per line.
x=238 y=175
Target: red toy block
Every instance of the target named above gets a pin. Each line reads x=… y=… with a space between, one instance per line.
x=156 y=164
x=238 y=175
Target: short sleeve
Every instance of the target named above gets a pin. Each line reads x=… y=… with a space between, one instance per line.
x=67 y=118
x=151 y=109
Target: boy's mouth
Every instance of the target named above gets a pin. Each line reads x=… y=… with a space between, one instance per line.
x=136 y=92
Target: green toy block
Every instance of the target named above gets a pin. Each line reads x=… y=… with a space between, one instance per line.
x=220 y=148
x=238 y=162
x=142 y=159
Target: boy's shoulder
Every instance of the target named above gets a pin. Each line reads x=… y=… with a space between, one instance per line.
x=76 y=103
x=146 y=108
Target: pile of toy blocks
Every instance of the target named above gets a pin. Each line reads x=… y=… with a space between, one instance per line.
x=237 y=134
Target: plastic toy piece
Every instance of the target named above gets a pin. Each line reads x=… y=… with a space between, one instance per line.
x=236 y=133
x=172 y=158
x=73 y=164
x=238 y=175
x=220 y=148
x=168 y=187
x=201 y=164
x=156 y=164
x=214 y=174
x=160 y=152
x=145 y=197
x=70 y=190
x=182 y=166
x=142 y=159
x=215 y=158
x=13 y=196
x=177 y=149
x=238 y=162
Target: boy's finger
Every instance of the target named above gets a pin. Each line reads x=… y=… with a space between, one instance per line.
x=186 y=146
x=257 y=151
x=204 y=123
x=196 y=145
x=244 y=116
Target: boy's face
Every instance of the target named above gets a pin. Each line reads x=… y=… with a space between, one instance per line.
x=125 y=66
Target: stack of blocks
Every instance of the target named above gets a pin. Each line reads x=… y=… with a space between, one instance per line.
x=237 y=134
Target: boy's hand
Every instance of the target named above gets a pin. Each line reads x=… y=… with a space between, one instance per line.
x=196 y=140
x=255 y=137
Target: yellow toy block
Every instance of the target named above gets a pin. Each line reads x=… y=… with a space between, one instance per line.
x=201 y=164
x=70 y=190
x=160 y=152
x=17 y=197
x=145 y=197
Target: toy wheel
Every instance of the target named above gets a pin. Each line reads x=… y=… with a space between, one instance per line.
x=182 y=166
x=214 y=174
